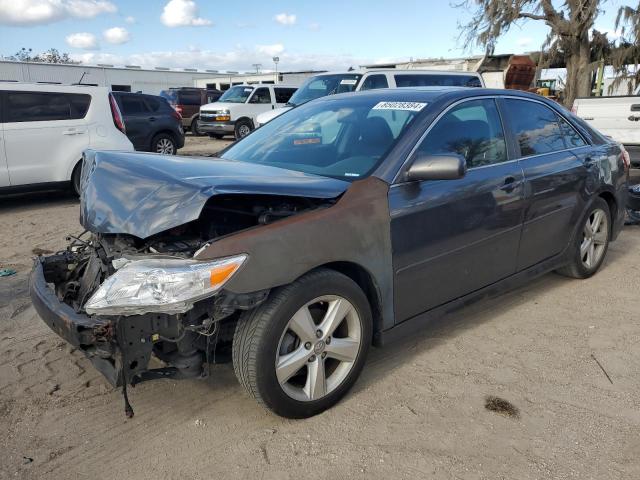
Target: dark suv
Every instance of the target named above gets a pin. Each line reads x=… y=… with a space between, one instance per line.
x=187 y=102
x=152 y=124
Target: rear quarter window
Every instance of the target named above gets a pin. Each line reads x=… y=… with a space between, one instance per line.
x=46 y=106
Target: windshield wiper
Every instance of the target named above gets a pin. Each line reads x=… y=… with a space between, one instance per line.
x=289 y=104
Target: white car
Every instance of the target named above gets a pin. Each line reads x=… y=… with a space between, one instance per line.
x=236 y=110
x=45 y=128
x=355 y=81
x=616 y=117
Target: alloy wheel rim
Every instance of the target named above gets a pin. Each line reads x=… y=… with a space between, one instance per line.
x=318 y=348
x=595 y=235
x=244 y=130
x=164 y=146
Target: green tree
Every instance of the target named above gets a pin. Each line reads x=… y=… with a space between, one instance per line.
x=570 y=25
x=50 y=56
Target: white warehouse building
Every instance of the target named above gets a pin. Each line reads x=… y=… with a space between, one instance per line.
x=132 y=78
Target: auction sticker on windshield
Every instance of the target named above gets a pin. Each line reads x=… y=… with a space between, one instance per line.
x=408 y=106
x=348 y=81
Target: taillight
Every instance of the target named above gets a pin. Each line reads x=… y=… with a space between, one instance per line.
x=626 y=158
x=178 y=108
x=117 y=116
x=574 y=109
x=175 y=114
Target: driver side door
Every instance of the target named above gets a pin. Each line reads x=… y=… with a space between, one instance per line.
x=452 y=237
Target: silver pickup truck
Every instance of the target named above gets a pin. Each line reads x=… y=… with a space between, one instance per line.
x=616 y=117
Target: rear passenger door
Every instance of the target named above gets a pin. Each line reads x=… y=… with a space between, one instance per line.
x=44 y=134
x=138 y=119
x=554 y=177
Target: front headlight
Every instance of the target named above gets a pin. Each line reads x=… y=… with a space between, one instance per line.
x=161 y=285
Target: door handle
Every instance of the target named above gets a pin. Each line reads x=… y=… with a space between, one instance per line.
x=509 y=184
x=71 y=131
x=152 y=119
x=635 y=107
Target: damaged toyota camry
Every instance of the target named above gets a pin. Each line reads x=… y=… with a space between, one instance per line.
x=346 y=222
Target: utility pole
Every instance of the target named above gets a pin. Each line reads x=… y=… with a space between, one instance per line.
x=257 y=66
x=276 y=60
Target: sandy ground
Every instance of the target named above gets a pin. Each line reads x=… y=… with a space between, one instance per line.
x=417 y=412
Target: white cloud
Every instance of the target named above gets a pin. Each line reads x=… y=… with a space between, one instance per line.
x=314 y=27
x=270 y=50
x=183 y=13
x=130 y=19
x=285 y=18
x=116 y=35
x=84 y=40
x=239 y=59
x=524 y=42
x=25 y=13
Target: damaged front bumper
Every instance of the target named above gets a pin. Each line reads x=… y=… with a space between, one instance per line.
x=91 y=335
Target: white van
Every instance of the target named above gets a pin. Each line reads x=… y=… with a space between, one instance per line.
x=355 y=81
x=236 y=110
x=45 y=128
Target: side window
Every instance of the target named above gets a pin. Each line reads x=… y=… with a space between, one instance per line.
x=572 y=139
x=375 y=81
x=153 y=104
x=283 y=94
x=471 y=129
x=132 y=105
x=535 y=126
x=191 y=98
x=261 y=95
x=41 y=106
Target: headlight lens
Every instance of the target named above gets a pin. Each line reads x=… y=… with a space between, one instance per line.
x=161 y=285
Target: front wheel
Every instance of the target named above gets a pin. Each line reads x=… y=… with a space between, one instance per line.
x=195 y=127
x=300 y=351
x=589 y=247
x=242 y=129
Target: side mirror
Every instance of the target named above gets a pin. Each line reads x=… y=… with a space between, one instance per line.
x=437 y=167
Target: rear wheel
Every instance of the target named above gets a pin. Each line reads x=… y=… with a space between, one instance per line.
x=164 y=143
x=75 y=178
x=303 y=349
x=243 y=128
x=589 y=247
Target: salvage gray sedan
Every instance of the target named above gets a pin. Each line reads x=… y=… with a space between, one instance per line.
x=347 y=221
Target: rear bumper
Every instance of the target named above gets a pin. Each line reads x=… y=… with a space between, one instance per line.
x=88 y=334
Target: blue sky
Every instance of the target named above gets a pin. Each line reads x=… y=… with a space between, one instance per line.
x=331 y=34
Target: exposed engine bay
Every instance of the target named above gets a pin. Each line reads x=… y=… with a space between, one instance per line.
x=185 y=342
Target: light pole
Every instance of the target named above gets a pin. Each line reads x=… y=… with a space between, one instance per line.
x=276 y=60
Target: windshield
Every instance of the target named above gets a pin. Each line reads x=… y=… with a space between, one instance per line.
x=237 y=94
x=323 y=85
x=344 y=138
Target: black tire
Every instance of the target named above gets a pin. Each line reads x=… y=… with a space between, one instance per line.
x=195 y=127
x=259 y=333
x=243 y=128
x=161 y=142
x=576 y=268
x=75 y=178
x=217 y=136
x=634 y=216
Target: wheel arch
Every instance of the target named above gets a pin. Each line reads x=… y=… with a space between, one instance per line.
x=248 y=119
x=610 y=198
x=366 y=281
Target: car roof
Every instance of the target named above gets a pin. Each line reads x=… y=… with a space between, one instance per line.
x=431 y=94
x=402 y=71
x=52 y=87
